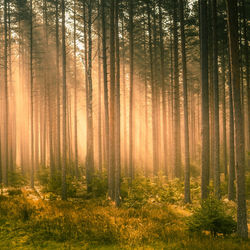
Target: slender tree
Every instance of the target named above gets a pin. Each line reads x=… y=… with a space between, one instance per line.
x=112 y=163
x=131 y=79
x=6 y=128
x=31 y=96
x=185 y=96
x=90 y=136
x=105 y=81
x=205 y=99
x=177 y=138
x=232 y=21
x=64 y=96
x=75 y=97
x=216 y=103
x=117 y=106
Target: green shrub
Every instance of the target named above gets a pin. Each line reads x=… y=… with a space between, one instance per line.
x=42 y=176
x=212 y=217
x=14 y=191
x=99 y=185
x=54 y=184
x=16 y=179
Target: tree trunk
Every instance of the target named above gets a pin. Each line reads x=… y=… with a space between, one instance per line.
x=117 y=106
x=105 y=83
x=90 y=139
x=131 y=79
x=216 y=103
x=232 y=21
x=112 y=134
x=163 y=84
x=231 y=177
x=58 y=95
x=177 y=138
x=6 y=123
x=185 y=97
x=64 y=96
x=205 y=99
x=75 y=97
x=31 y=97
x=223 y=72
x=99 y=93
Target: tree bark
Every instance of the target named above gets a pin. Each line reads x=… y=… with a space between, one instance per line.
x=216 y=103
x=205 y=99
x=232 y=21
x=131 y=79
x=177 y=138
x=64 y=97
x=185 y=96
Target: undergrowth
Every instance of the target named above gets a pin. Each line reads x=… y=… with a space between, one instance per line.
x=152 y=216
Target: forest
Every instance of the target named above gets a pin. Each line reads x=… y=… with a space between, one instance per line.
x=125 y=124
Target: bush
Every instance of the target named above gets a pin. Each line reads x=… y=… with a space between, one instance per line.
x=99 y=185
x=14 y=191
x=54 y=184
x=16 y=179
x=212 y=217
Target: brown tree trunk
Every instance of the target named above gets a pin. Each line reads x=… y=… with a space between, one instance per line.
x=185 y=96
x=6 y=123
x=205 y=99
x=131 y=79
x=216 y=103
x=105 y=83
x=117 y=108
x=64 y=99
x=232 y=21
x=177 y=138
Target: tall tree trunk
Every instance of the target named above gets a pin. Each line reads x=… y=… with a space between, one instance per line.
x=185 y=96
x=99 y=93
x=205 y=99
x=75 y=97
x=246 y=37
x=216 y=103
x=112 y=103
x=223 y=72
x=163 y=84
x=125 y=154
x=231 y=177
x=232 y=20
x=145 y=98
x=31 y=96
x=64 y=99
x=12 y=99
x=58 y=95
x=117 y=106
x=131 y=79
x=177 y=138
x=105 y=82
x=152 y=83
x=6 y=123
x=90 y=135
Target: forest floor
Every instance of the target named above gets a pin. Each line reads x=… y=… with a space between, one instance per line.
x=151 y=216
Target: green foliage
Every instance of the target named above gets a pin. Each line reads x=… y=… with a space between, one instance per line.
x=16 y=179
x=29 y=222
x=42 y=176
x=14 y=191
x=16 y=208
x=144 y=191
x=212 y=217
x=99 y=185
x=54 y=184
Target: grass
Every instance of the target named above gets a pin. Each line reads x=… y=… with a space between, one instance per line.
x=147 y=219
